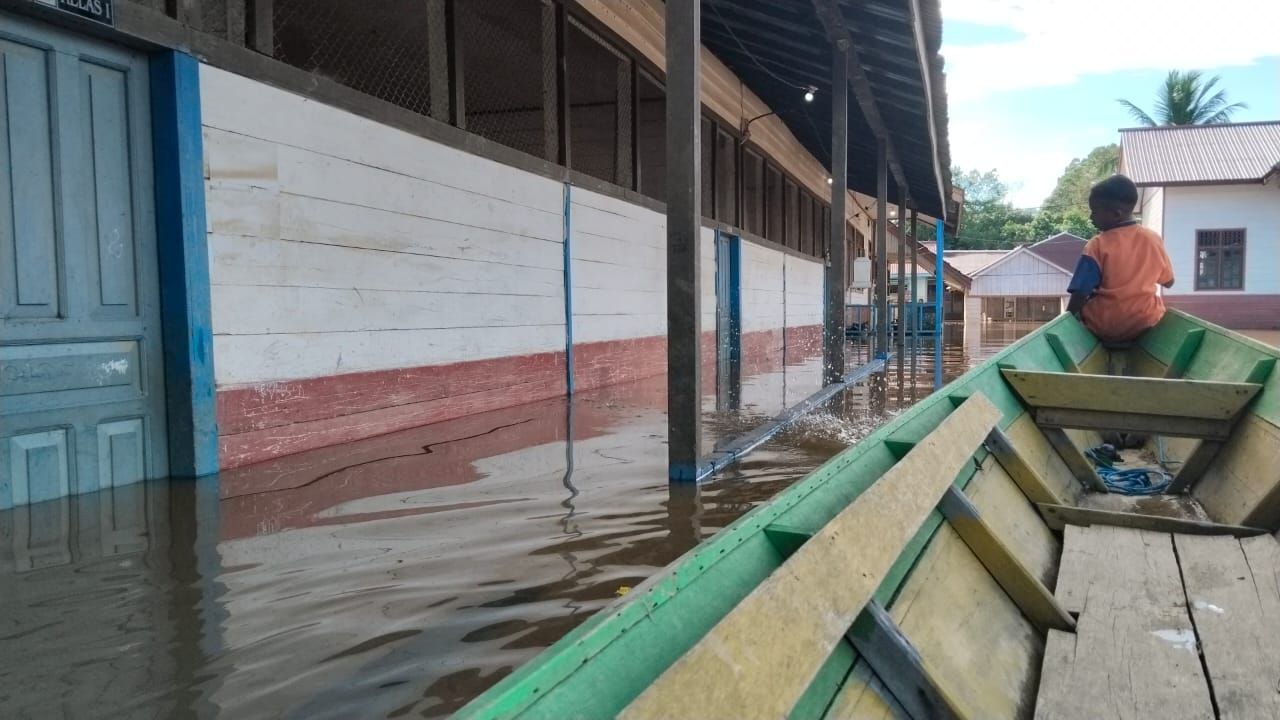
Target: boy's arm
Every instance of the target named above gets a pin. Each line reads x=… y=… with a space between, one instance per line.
x=1166 y=267
x=1085 y=280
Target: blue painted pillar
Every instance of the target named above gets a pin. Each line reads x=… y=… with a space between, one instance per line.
x=941 y=289
x=184 y=264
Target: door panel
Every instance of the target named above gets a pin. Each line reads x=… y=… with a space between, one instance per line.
x=81 y=384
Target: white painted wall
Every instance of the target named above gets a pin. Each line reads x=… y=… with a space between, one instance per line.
x=1151 y=209
x=763 y=299
x=339 y=245
x=1022 y=274
x=1253 y=207
x=805 y=280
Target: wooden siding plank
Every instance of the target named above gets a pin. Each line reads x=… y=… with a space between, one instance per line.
x=863 y=696
x=1236 y=607
x=749 y=664
x=1058 y=517
x=1014 y=519
x=1201 y=399
x=1243 y=484
x=1029 y=481
x=959 y=619
x=899 y=666
x=1134 y=651
x=1021 y=583
x=1039 y=454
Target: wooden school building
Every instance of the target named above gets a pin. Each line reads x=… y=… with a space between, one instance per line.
x=244 y=229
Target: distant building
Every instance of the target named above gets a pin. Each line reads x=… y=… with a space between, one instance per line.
x=1213 y=193
x=1018 y=285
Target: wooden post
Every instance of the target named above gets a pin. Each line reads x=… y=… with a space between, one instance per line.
x=457 y=105
x=684 y=229
x=902 y=274
x=833 y=334
x=915 y=299
x=438 y=59
x=882 y=251
x=562 y=87
x=940 y=293
x=259 y=28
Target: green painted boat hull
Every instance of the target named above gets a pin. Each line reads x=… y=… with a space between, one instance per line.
x=602 y=666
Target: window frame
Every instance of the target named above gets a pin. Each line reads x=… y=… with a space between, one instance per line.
x=1218 y=247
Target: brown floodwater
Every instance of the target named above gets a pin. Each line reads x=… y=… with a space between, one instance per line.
x=399 y=576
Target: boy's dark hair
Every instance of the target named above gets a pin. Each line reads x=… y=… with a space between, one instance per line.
x=1116 y=191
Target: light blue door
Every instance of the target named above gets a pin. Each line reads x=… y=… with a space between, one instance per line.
x=81 y=381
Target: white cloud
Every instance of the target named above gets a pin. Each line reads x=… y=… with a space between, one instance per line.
x=1064 y=40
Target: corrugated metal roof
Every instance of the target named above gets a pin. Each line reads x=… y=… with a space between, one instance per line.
x=1229 y=152
x=1063 y=250
x=971 y=261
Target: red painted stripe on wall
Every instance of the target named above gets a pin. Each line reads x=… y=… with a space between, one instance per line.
x=270 y=420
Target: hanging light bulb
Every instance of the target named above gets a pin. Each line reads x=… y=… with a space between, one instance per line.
x=808 y=93
x=830 y=180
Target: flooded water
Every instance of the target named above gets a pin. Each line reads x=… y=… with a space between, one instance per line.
x=399 y=576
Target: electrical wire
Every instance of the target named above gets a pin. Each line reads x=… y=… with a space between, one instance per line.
x=715 y=8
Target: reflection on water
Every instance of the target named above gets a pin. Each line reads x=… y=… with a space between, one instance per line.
x=396 y=576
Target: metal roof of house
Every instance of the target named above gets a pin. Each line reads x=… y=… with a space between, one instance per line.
x=971 y=262
x=1063 y=250
x=778 y=46
x=1201 y=154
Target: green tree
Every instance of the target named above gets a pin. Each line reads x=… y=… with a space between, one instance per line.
x=1072 y=191
x=1187 y=98
x=987 y=211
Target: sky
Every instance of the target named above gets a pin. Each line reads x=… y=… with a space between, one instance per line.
x=1032 y=84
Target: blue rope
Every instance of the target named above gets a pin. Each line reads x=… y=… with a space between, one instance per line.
x=1129 y=481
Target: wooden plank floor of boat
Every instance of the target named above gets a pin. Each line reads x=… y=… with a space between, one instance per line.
x=1168 y=626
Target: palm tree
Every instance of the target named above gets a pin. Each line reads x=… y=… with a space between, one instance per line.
x=1187 y=99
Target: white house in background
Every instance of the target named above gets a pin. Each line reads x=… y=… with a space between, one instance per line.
x=1018 y=285
x=1213 y=193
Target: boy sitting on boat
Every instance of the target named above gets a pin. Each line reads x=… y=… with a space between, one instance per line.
x=1114 y=290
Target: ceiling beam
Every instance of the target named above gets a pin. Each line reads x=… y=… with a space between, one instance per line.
x=838 y=32
x=926 y=75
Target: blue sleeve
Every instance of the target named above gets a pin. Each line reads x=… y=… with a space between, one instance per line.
x=1087 y=278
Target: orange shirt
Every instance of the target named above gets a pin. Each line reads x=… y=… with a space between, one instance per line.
x=1131 y=262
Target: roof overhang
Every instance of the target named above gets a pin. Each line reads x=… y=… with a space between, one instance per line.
x=895 y=75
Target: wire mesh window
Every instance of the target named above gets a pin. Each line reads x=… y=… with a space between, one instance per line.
x=508 y=72
x=792 y=212
x=752 y=192
x=806 y=223
x=726 y=178
x=773 y=205
x=599 y=84
x=381 y=49
x=651 y=140
x=1220 y=259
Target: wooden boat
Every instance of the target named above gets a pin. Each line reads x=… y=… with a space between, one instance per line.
x=967 y=561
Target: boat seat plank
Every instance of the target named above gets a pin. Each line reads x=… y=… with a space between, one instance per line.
x=1134 y=652
x=759 y=659
x=1133 y=422
x=1060 y=517
x=1231 y=585
x=1199 y=399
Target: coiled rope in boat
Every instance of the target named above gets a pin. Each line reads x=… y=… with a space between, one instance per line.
x=1127 y=481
